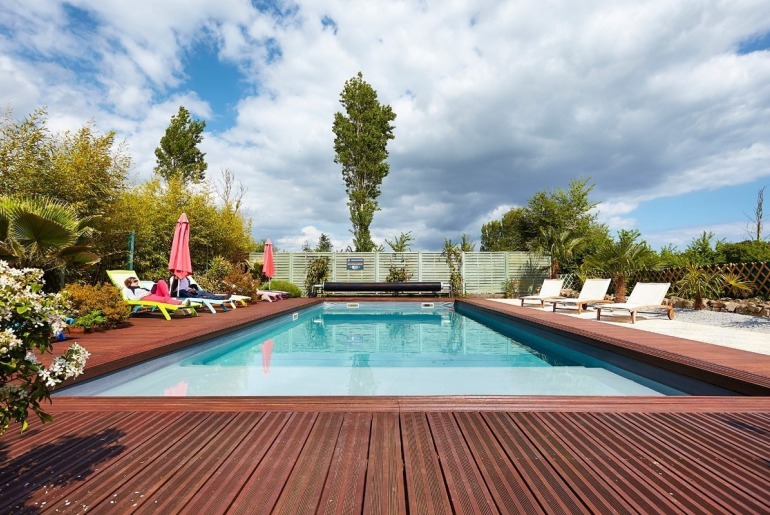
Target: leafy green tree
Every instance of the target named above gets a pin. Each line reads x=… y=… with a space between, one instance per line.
x=360 y=144
x=466 y=245
x=401 y=243
x=324 y=244
x=26 y=149
x=504 y=234
x=558 y=212
x=178 y=154
x=83 y=168
x=151 y=210
x=620 y=258
x=749 y=251
x=43 y=233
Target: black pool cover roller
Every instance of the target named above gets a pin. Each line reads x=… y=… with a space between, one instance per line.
x=409 y=286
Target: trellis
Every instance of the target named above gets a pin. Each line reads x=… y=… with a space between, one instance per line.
x=756 y=273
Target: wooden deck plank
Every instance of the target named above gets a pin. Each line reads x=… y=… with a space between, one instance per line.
x=227 y=478
x=505 y=483
x=591 y=486
x=181 y=487
x=265 y=485
x=303 y=488
x=425 y=488
x=636 y=479
x=553 y=494
x=685 y=468
x=385 y=491
x=466 y=487
x=344 y=489
x=112 y=445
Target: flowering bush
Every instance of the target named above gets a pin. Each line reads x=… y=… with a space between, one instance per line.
x=28 y=319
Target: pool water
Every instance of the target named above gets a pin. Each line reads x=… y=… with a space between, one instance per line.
x=387 y=348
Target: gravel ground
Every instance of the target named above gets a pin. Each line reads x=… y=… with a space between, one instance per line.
x=724 y=319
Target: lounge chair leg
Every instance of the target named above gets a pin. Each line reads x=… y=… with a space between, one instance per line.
x=164 y=312
x=633 y=316
x=598 y=313
x=670 y=313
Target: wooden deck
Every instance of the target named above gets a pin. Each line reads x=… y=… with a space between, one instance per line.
x=397 y=454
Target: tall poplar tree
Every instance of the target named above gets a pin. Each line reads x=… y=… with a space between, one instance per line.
x=361 y=138
x=178 y=154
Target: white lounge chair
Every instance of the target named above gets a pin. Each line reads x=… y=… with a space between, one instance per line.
x=644 y=296
x=593 y=290
x=550 y=289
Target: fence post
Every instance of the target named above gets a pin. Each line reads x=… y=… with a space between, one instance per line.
x=419 y=266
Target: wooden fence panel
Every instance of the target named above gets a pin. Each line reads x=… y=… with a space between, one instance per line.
x=483 y=272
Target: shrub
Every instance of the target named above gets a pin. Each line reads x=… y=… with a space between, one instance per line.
x=398 y=274
x=28 y=319
x=86 y=298
x=238 y=283
x=317 y=272
x=510 y=287
x=91 y=321
x=280 y=285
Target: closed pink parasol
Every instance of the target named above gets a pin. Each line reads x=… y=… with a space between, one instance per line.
x=179 y=262
x=268 y=265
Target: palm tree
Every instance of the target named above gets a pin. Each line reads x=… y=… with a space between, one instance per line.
x=559 y=244
x=698 y=283
x=43 y=233
x=621 y=258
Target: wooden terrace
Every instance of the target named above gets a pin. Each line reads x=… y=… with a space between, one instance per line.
x=398 y=454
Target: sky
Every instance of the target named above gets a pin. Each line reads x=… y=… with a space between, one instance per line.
x=663 y=104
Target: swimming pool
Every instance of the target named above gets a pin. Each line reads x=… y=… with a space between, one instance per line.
x=390 y=348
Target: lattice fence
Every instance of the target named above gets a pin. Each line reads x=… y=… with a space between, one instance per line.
x=756 y=273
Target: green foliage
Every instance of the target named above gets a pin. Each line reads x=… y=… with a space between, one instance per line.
x=324 y=244
x=560 y=245
x=558 y=214
x=83 y=169
x=360 y=145
x=398 y=274
x=178 y=155
x=224 y=276
x=91 y=321
x=401 y=243
x=619 y=258
x=86 y=299
x=28 y=319
x=749 y=251
x=317 y=272
x=151 y=211
x=291 y=288
x=466 y=245
x=454 y=258
x=43 y=233
x=510 y=287
x=697 y=283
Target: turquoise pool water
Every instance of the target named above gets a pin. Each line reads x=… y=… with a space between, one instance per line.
x=388 y=349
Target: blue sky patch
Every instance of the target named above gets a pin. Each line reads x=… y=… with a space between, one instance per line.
x=218 y=83
x=329 y=23
x=755 y=44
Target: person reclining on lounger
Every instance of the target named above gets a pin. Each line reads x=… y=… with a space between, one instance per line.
x=182 y=287
x=159 y=292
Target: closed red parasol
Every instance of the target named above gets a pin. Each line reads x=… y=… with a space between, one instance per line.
x=179 y=262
